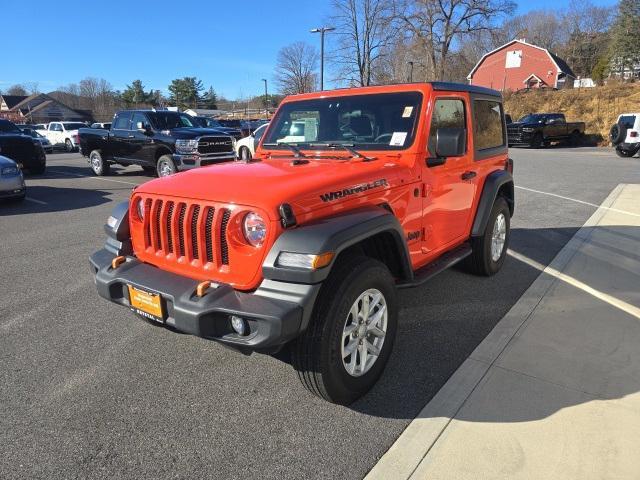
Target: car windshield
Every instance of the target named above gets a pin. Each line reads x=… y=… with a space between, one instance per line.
x=171 y=120
x=369 y=122
x=213 y=123
x=8 y=127
x=73 y=126
x=532 y=118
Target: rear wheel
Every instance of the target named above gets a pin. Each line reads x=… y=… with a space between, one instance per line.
x=165 y=166
x=625 y=153
x=575 y=139
x=98 y=166
x=68 y=146
x=490 y=249
x=38 y=170
x=350 y=336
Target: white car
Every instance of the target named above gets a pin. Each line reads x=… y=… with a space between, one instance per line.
x=63 y=134
x=246 y=147
x=625 y=135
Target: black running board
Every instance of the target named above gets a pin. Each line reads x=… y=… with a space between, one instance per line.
x=440 y=264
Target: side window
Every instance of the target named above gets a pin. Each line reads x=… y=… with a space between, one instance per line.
x=257 y=135
x=139 y=118
x=488 y=127
x=447 y=113
x=122 y=122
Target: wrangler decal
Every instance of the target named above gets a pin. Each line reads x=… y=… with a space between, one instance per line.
x=327 y=197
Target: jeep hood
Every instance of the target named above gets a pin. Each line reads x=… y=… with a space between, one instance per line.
x=267 y=184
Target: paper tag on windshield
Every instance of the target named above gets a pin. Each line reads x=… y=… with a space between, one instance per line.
x=397 y=139
x=407 y=112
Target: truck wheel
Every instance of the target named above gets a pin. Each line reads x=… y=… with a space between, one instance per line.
x=68 y=146
x=351 y=332
x=625 y=153
x=575 y=139
x=39 y=170
x=490 y=249
x=98 y=166
x=165 y=166
x=537 y=141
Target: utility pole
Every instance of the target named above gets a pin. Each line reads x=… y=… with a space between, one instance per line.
x=266 y=99
x=410 y=71
x=322 y=31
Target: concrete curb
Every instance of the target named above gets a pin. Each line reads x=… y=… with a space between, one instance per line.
x=412 y=446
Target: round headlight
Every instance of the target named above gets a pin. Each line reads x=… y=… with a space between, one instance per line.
x=255 y=230
x=140 y=209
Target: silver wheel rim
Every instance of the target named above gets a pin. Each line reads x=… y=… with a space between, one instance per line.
x=165 y=169
x=498 y=237
x=95 y=163
x=364 y=332
x=244 y=154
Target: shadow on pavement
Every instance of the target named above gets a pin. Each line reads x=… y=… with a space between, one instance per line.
x=56 y=200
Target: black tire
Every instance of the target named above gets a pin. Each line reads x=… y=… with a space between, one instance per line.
x=165 y=166
x=68 y=146
x=316 y=354
x=38 y=170
x=617 y=133
x=625 y=153
x=575 y=139
x=481 y=262
x=150 y=170
x=244 y=153
x=537 y=141
x=98 y=165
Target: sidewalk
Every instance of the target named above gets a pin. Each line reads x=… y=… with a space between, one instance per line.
x=553 y=392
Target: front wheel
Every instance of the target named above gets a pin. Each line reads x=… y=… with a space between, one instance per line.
x=490 y=249
x=537 y=141
x=165 y=166
x=351 y=332
x=625 y=153
x=245 y=154
x=98 y=166
x=68 y=146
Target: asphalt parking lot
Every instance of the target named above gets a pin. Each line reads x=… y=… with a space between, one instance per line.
x=90 y=391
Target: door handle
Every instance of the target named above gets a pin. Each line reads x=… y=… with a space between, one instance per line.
x=131 y=136
x=468 y=175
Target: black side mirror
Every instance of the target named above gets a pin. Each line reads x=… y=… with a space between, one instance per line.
x=450 y=142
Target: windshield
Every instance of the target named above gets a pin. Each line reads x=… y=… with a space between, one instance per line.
x=213 y=123
x=8 y=127
x=73 y=126
x=532 y=118
x=369 y=122
x=171 y=120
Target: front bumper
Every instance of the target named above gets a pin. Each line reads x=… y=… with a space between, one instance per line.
x=187 y=162
x=519 y=138
x=273 y=314
x=12 y=187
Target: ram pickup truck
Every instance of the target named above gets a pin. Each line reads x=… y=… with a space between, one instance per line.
x=304 y=246
x=21 y=148
x=63 y=134
x=161 y=142
x=537 y=130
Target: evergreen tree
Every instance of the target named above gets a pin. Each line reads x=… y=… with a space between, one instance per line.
x=134 y=94
x=185 y=92
x=210 y=99
x=625 y=48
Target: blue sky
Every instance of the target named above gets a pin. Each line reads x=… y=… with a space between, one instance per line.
x=228 y=44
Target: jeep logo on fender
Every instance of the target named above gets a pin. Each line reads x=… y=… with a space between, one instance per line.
x=328 y=197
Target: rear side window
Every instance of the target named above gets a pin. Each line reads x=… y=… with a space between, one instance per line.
x=122 y=122
x=627 y=120
x=447 y=113
x=488 y=127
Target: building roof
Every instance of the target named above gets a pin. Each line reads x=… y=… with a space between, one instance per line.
x=560 y=64
x=12 y=100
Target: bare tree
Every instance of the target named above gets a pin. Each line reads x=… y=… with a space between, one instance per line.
x=16 y=90
x=295 y=68
x=364 y=28
x=438 y=24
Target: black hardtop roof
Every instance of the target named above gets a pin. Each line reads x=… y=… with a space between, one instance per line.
x=465 y=87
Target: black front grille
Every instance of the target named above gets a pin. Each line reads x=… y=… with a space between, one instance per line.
x=208 y=145
x=194 y=230
x=224 y=247
x=181 y=215
x=208 y=227
x=170 y=208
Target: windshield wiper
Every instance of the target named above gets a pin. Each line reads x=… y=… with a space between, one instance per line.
x=348 y=147
x=291 y=146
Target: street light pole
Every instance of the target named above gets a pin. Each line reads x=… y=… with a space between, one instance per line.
x=322 y=31
x=266 y=99
x=410 y=71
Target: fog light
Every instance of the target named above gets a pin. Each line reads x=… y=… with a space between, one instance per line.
x=239 y=325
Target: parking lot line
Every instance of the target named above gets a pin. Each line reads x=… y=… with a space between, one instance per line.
x=29 y=199
x=575 y=200
x=94 y=178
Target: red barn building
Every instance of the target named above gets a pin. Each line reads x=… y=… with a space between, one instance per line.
x=518 y=65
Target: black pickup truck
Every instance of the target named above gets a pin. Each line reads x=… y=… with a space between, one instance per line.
x=21 y=148
x=161 y=142
x=537 y=130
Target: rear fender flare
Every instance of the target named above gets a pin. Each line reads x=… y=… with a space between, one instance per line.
x=500 y=180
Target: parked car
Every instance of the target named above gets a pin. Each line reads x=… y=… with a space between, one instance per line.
x=11 y=180
x=161 y=142
x=241 y=125
x=105 y=126
x=246 y=147
x=46 y=144
x=63 y=134
x=306 y=249
x=537 y=130
x=206 y=122
x=625 y=135
x=21 y=148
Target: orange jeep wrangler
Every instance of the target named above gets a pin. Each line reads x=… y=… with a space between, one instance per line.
x=352 y=194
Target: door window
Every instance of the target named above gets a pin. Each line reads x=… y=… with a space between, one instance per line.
x=447 y=113
x=122 y=122
x=257 y=135
x=139 y=118
x=488 y=125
